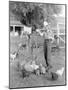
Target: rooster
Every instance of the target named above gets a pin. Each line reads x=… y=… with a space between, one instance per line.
x=60 y=71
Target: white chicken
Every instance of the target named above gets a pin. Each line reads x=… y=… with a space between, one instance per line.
x=34 y=65
x=13 y=56
x=43 y=70
x=31 y=66
x=60 y=72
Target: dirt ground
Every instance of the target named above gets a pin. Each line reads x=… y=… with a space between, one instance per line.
x=57 y=61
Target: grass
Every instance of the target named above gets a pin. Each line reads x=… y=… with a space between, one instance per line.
x=57 y=61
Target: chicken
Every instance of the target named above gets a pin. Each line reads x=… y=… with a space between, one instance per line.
x=28 y=67
x=34 y=65
x=25 y=73
x=60 y=72
x=57 y=74
x=31 y=66
x=43 y=70
x=53 y=76
x=13 y=56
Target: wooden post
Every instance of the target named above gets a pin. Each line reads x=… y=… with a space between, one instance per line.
x=13 y=30
x=58 y=34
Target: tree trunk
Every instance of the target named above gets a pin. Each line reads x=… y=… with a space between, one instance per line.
x=30 y=48
x=31 y=41
x=47 y=51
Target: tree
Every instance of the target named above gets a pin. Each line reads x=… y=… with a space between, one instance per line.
x=49 y=11
x=31 y=14
x=28 y=14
